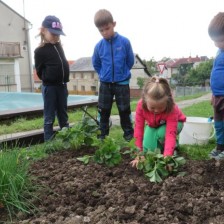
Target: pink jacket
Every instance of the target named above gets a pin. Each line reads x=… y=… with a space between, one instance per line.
x=154 y=121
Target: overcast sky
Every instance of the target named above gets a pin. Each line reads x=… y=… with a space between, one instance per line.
x=156 y=28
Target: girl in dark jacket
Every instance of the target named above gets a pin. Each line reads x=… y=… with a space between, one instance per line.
x=53 y=69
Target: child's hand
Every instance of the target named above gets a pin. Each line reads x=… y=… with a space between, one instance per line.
x=134 y=163
x=169 y=168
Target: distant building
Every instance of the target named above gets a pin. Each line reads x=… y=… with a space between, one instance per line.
x=84 y=79
x=171 y=66
x=15 y=55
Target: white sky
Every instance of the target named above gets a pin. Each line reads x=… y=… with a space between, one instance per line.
x=156 y=28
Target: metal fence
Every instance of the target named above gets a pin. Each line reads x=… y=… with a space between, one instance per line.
x=191 y=90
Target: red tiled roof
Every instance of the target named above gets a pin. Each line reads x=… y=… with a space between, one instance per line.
x=173 y=63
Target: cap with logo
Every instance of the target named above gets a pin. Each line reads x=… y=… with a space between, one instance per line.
x=53 y=24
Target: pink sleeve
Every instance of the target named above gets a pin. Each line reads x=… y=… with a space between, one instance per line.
x=170 y=137
x=171 y=131
x=139 y=125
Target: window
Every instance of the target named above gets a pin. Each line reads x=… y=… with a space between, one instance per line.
x=73 y=75
x=93 y=88
x=7 y=76
x=10 y=49
x=74 y=88
x=82 y=76
x=83 y=88
x=92 y=75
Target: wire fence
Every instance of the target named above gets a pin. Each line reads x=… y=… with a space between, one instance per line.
x=191 y=90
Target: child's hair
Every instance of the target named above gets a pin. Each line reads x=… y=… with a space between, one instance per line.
x=157 y=89
x=102 y=18
x=43 y=40
x=216 y=26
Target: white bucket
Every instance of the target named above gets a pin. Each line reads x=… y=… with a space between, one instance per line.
x=196 y=130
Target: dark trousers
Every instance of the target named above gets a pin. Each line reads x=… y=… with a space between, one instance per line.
x=107 y=92
x=218 y=106
x=55 y=104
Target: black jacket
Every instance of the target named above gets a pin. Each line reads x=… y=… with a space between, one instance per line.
x=51 y=64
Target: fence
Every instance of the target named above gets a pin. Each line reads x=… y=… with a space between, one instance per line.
x=191 y=90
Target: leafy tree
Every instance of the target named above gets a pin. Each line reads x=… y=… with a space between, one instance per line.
x=183 y=69
x=151 y=66
x=199 y=74
x=140 y=82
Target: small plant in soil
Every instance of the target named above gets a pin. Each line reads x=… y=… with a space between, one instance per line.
x=107 y=152
x=156 y=167
x=80 y=134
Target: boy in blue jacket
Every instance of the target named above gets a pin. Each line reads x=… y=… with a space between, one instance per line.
x=113 y=59
x=216 y=33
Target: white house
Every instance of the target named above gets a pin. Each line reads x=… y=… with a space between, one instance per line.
x=16 y=73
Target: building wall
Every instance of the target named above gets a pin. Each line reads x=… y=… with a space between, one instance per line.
x=83 y=82
x=16 y=29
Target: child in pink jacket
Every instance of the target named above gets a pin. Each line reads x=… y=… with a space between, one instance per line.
x=158 y=120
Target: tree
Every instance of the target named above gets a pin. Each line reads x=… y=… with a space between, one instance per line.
x=183 y=70
x=151 y=66
x=140 y=82
x=199 y=74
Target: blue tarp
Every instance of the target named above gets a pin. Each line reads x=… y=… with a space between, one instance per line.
x=17 y=100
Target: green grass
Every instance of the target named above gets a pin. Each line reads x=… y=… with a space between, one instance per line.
x=202 y=109
x=15 y=183
x=26 y=124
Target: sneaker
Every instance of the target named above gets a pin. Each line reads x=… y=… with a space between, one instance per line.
x=128 y=138
x=220 y=156
x=101 y=137
x=215 y=153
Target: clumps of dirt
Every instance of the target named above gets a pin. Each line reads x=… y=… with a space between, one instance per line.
x=74 y=193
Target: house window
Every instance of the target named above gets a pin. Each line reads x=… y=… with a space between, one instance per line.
x=82 y=76
x=10 y=49
x=92 y=75
x=93 y=88
x=73 y=75
x=7 y=76
x=83 y=88
x=74 y=88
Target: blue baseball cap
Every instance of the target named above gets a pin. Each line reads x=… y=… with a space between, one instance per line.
x=53 y=24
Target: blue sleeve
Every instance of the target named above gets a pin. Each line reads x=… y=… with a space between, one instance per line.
x=96 y=61
x=130 y=56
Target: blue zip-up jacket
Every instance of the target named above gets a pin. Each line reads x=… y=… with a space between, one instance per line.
x=113 y=59
x=217 y=75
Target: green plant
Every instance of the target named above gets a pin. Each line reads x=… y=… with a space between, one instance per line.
x=108 y=152
x=156 y=167
x=81 y=133
x=15 y=182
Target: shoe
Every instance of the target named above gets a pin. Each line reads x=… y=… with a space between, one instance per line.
x=128 y=138
x=215 y=153
x=101 y=137
x=220 y=156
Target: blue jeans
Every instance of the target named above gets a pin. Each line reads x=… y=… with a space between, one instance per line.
x=55 y=104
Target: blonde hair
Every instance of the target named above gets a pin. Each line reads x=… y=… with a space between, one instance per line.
x=42 y=38
x=216 y=26
x=103 y=17
x=158 y=89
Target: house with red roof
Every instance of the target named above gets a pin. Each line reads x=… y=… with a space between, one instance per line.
x=171 y=66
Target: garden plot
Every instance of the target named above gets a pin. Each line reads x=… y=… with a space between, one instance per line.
x=77 y=193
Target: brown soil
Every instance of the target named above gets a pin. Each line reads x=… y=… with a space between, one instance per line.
x=75 y=193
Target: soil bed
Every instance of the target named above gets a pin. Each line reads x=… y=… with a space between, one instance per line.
x=75 y=193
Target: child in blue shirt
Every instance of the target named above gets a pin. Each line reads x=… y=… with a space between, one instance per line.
x=216 y=33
